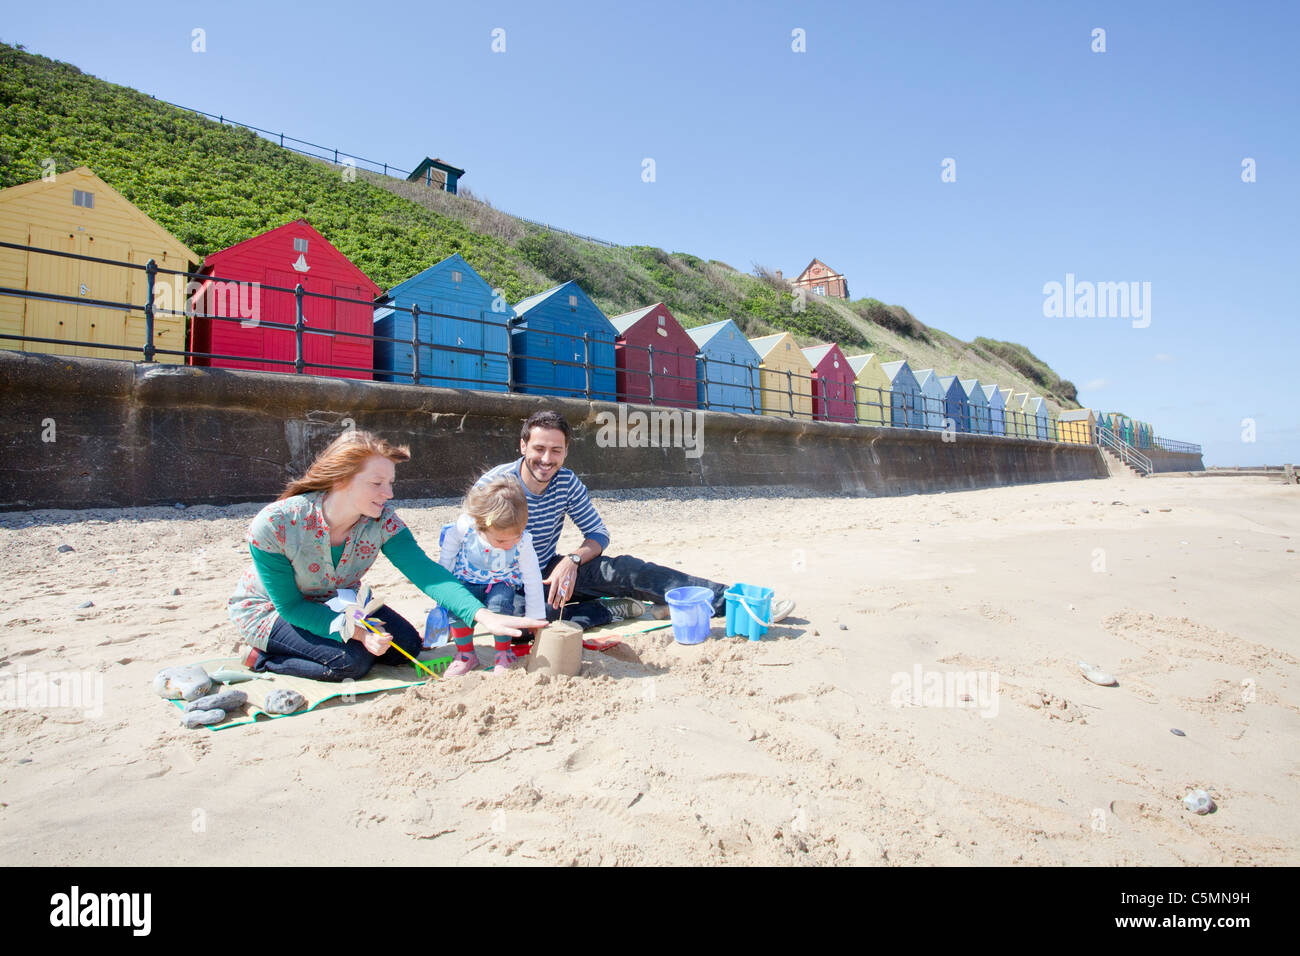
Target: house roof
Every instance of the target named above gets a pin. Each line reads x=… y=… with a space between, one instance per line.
x=816 y=261
x=429 y=161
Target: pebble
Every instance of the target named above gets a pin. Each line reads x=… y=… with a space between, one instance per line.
x=283 y=701
x=844 y=627
x=179 y=506
x=85 y=604
x=1166 y=509
x=1117 y=502
x=1176 y=732
x=1146 y=511
x=197 y=718
x=65 y=548
x=176 y=590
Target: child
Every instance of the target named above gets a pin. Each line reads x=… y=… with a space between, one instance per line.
x=491 y=554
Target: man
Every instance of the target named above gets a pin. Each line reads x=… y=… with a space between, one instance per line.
x=554 y=491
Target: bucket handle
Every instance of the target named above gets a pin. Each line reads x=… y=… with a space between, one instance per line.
x=745 y=605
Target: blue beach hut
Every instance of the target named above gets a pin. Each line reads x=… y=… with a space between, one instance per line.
x=463 y=330
x=728 y=369
x=904 y=395
x=978 y=403
x=954 y=403
x=557 y=334
x=997 y=410
x=933 y=394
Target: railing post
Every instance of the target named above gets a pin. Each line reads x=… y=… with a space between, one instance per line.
x=150 y=273
x=586 y=362
x=789 y=390
x=415 y=342
x=298 y=325
x=704 y=379
x=652 y=374
x=510 y=359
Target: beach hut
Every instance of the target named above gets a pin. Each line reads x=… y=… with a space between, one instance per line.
x=563 y=345
x=872 y=388
x=277 y=261
x=978 y=403
x=832 y=384
x=786 y=376
x=906 y=409
x=728 y=368
x=1077 y=426
x=997 y=405
x=933 y=394
x=955 y=405
x=464 y=332
x=648 y=332
x=77 y=212
x=1016 y=415
x=1035 y=409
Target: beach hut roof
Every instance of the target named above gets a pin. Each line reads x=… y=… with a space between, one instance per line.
x=626 y=320
x=893 y=368
x=1076 y=415
x=990 y=391
x=859 y=362
x=969 y=385
x=947 y=381
x=816 y=353
x=767 y=343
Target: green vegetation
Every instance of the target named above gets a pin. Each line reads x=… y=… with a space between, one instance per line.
x=1029 y=365
x=213 y=185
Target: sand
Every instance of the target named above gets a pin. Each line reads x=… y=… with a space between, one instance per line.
x=836 y=740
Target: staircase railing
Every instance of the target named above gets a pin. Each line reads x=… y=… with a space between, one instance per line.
x=1124 y=451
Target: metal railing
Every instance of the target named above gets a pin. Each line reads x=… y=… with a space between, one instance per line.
x=332 y=154
x=1125 y=452
x=300 y=337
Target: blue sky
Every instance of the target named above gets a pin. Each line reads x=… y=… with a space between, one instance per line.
x=1115 y=166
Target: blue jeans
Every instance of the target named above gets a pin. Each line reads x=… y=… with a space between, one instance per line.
x=297 y=653
x=624 y=576
x=500 y=599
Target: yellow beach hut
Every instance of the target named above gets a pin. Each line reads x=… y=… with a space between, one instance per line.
x=873 y=386
x=786 y=376
x=1078 y=425
x=77 y=212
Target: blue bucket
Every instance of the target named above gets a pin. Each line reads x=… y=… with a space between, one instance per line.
x=749 y=610
x=691 y=609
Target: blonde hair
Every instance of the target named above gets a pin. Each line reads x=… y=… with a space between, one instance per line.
x=342 y=460
x=499 y=504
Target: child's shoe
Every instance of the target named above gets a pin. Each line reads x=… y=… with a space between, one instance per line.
x=464 y=662
x=504 y=661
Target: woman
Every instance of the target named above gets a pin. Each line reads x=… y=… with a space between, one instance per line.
x=324 y=533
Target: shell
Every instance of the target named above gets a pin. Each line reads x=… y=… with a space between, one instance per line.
x=1198 y=801
x=1097 y=675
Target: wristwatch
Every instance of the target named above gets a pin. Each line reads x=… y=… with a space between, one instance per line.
x=576 y=558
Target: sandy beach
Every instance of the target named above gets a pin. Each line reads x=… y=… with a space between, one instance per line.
x=841 y=738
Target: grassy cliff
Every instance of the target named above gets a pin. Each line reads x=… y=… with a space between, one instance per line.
x=213 y=185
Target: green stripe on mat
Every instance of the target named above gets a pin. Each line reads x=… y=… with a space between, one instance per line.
x=382 y=677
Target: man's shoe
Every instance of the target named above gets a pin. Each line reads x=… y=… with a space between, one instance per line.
x=624 y=609
x=782 y=609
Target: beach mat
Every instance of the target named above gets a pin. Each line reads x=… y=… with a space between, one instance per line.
x=382 y=677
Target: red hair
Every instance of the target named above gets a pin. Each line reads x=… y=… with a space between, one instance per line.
x=342 y=460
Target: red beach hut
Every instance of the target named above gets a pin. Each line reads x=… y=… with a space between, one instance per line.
x=833 y=378
x=282 y=258
x=654 y=331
